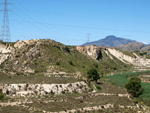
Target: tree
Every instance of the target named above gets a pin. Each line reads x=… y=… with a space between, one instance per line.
x=1 y=96
x=93 y=74
x=134 y=87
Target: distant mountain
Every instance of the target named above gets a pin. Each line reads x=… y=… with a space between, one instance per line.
x=134 y=46
x=146 y=48
x=110 y=41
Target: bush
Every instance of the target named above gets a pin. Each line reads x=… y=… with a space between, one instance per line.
x=1 y=96
x=134 y=87
x=98 y=87
x=66 y=48
x=93 y=74
x=96 y=65
x=57 y=63
x=70 y=62
x=17 y=56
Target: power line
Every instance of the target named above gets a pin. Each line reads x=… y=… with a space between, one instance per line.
x=43 y=29
x=83 y=27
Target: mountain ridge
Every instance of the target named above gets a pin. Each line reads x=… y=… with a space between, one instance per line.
x=121 y=43
x=110 y=41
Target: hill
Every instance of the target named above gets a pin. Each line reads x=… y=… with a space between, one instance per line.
x=146 y=48
x=47 y=56
x=47 y=76
x=110 y=41
x=134 y=46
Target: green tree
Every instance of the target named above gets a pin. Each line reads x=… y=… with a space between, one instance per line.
x=134 y=87
x=93 y=74
x=1 y=94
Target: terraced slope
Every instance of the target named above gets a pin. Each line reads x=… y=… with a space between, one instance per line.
x=110 y=99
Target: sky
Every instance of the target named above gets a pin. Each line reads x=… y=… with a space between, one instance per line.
x=70 y=21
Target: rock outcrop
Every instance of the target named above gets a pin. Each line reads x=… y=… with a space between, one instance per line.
x=44 y=89
x=21 y=44
x=93 y=51
x=5 y=52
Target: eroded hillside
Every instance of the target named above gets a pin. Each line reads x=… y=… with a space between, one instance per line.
x=132 y=58
x=47 y=76
x=47 y=57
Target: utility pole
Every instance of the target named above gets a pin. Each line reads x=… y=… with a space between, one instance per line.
x=5 y=30
x=88 y=38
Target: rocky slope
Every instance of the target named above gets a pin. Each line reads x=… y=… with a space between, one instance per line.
x=5 y=52
x=146 y=48
x=134 y=60
x=135 y=46
x=38 y=75
x=95 y=52
x=44 y=89
x=50 y=58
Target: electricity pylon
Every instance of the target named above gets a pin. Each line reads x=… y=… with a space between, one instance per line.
x=5 y=30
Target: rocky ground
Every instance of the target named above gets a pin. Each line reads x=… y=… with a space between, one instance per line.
x=105 y=100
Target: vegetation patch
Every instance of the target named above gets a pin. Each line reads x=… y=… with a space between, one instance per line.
x=134 y=87
x=36 y=79
x=122 y=79
x=93 y=75
x=1 y=96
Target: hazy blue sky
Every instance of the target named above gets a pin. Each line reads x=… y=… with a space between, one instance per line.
x=69 y=21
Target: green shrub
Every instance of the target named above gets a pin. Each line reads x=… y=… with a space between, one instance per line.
x=93 y=74
x=70 y=62
x=1 y=96
x=57 y=63
x=66 y=48
x=98 y=87
x=17 y=56
x=134 y=87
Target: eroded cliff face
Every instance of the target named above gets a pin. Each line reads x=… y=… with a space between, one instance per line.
x=137 y=60
x=93 y=51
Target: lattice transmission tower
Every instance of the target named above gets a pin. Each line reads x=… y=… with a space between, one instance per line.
x=88 y=38
x=5 y=30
